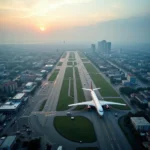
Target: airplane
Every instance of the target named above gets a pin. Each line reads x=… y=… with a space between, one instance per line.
x=98 y=104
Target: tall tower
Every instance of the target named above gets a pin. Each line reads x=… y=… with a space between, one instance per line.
x=108 y=47
x=93 y=47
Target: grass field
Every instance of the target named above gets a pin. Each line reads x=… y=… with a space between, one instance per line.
x=53 y=75
x=119 y=100
x=75 y=63
x=80 y=93
x=87 y=148
x=64 y=99
x=64 y=55
x=79 y=129
x=42 y=105
x=99 y=81
x=84 y=59
x=72 y=59
x=71 y=55
x=69 y=63
x=81 y=54
x=60 y=64
x=71 y=88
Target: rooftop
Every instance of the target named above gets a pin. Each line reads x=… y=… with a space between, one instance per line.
x=48 y=65
x=140 y=121
x=18 y=96
x=29 y=84
x=10 y=105
x=43 y=71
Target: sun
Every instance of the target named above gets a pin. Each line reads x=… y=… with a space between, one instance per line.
x=42 y=28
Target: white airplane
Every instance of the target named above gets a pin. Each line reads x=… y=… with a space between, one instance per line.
x=98 y=104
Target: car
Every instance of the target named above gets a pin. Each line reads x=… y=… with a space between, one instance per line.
x=68 y=113
x=18 y=132
x=4 y=124
x=72 y=118
x=116 y=114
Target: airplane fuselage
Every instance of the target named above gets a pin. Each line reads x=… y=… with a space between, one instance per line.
x=98 y=106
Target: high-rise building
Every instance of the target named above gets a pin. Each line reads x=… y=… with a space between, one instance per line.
x=93 y=47
x=104 y=47
x=108 y=47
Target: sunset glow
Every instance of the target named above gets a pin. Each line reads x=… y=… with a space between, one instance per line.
x=59 y=19
x=42 y=28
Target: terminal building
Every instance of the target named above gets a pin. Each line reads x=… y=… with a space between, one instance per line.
x=140 y=124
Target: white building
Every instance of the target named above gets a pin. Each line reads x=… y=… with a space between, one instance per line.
x=29 y=87
x=10 y=107
x=19 y=97
x=140 y=124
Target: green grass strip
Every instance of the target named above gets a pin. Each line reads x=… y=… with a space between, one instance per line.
x=80 y=93
x=64 y=55
x=81 y=54
x=53 y=75
x=69 y=63
x=75 y=63
x=99 y=81
x=60 y=64
x=84 y=59
x=71 y=88
x=42 y=105
x=79 y=129
x=64 y=99
x=71 y=55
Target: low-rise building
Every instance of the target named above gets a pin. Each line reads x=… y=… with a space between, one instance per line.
x=140 y=124
x=10 y=107
x=29 y=87
x=19 y=97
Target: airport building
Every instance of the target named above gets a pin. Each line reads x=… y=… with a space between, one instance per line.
x=140 y=124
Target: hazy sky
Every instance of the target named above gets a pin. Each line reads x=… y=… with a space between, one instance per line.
x=27 y=21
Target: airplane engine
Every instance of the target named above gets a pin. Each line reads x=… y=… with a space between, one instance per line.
x=89 y=107
x=107 y=106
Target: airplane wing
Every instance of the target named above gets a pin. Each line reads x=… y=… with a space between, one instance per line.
x=90 y=103
x=111 y=103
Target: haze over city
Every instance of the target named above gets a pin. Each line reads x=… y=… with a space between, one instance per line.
x=75 y=21
x=74 y=74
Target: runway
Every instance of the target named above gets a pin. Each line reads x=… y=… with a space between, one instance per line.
x=109 y=134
